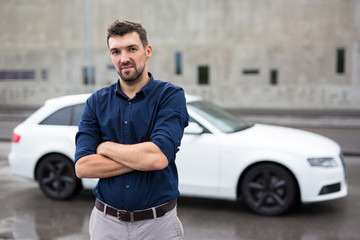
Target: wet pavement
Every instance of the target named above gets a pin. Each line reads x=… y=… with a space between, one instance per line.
x=26 y=213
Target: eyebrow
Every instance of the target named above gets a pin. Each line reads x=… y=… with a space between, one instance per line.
x=132 y=45
x=129 y=46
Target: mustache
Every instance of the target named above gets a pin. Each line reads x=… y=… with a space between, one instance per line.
x=127 y=64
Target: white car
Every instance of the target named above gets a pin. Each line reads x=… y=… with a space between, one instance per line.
x=268 y=167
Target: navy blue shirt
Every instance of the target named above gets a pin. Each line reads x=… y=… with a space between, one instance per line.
x=158 y=114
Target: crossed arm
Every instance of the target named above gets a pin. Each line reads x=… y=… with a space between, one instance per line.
x=112 y=159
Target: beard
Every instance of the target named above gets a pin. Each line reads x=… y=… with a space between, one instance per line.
x=128 y=77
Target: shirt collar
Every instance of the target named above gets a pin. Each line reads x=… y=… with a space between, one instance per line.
x=149 y=86
x=145 y=90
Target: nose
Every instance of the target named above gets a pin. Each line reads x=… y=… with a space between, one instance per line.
x=124 y=58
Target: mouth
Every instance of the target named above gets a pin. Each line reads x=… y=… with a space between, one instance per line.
x=126 y=67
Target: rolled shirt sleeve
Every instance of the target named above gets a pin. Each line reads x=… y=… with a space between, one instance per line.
x=171 y=121
x=88 y=137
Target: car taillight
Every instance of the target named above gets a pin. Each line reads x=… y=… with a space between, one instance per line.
x=15 y=138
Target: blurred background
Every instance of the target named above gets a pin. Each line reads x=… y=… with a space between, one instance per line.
x=241 y=54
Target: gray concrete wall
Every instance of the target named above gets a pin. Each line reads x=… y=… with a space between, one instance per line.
x=298 y=38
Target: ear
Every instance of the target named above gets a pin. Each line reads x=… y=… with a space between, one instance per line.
x=148 y=51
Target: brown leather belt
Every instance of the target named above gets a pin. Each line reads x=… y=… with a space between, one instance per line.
x=131 y=216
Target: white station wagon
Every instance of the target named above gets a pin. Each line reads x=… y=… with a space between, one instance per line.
x=269 y=167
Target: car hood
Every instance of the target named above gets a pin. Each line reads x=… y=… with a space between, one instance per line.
x=286 y=139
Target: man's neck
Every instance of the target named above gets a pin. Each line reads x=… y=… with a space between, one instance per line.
x=131 y=88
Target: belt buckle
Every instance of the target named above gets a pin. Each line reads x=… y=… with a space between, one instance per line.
x=119 y=212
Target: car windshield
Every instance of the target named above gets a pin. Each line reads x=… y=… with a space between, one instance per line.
x=221 y=119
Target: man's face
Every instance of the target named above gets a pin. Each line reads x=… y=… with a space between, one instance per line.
x=129 y=56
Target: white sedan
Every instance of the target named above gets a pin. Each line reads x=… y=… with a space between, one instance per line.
x=269 y=167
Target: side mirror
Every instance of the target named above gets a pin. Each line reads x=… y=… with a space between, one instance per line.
x=193 y=128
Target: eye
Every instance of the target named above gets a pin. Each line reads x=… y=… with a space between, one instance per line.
x=114 y=52
x=132 y=49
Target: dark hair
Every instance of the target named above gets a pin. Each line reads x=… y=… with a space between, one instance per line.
x=120 y=28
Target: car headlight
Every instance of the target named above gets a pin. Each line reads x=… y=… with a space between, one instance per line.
x=322 y=162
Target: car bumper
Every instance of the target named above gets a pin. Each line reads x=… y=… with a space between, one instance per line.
x=21 y=164
x=322 y=184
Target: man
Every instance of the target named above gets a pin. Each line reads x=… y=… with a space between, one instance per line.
x=128 y=137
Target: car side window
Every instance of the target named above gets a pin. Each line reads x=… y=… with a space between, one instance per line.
x=77 y=113
x=68 y=116
x=60 y=117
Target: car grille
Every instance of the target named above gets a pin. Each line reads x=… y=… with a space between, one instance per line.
x=330 y=189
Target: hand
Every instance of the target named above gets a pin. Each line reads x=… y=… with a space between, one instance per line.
x=101 y=148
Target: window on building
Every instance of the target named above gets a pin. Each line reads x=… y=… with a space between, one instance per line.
x=203 y=75
x=273 y=77
x=178 y=63
x=340 y=61
x=251 y=71
x=17 y=74
x=44 y=74
x=89 y=75
x=111 y=67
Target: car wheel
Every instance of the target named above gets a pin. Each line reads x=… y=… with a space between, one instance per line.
x=57 y=178
x=268 y=189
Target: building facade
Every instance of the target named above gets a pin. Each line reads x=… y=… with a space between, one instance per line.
x=255 y=54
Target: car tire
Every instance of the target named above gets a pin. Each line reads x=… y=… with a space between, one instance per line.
x=268 y=189
x=56 y=176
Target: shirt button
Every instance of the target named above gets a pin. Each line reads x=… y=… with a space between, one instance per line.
x=126 y=122
x=129 y=103
x=127 y=186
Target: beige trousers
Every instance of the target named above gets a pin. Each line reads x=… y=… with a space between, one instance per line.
x=107 y=227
